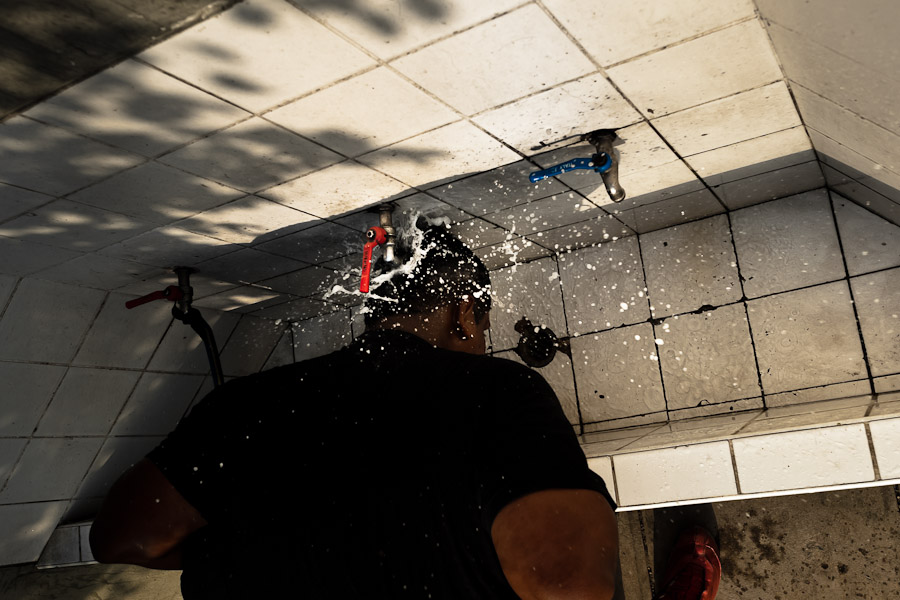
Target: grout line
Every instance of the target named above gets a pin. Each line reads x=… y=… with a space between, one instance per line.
x=875 y=467
x=737 y=479
x=648 y=560
x=615 y=480
x=562 y=293
x=853 y=304
x=12 y=293
x=655 y=349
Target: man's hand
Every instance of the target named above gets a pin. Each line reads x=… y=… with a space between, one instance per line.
x=143 y=521
x=558 y=544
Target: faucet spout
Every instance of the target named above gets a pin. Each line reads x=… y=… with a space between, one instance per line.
x=602 y=140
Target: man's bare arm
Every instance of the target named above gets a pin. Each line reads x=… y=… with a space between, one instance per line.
x=143 y=521
x=558 y=544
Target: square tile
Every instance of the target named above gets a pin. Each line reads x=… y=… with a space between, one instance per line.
x=532 y=291
x=124 y=338
x=819 y=393
x=559 y=375
x=638 y=27
x=367 y=112
x=99 y=272
x=321 y=336
x=730 y=120
x=645 y=420
x=45 y=321
x=283 y=353
x=410 y=208
x=10 y=451
x=74 y=226
x=543 y=120
x=310 y=281
x=617 y=373
x=853 y=131
x=387 y=29
x=50 y=469
x=117 y=455
x=806 y=338
x=682 y=473
x=787 y=244
x=497 y=189
x=495 y=62
x=753 y=157
x=258 y=54
x=769 y=186
x=14 y=201
x=251 y=156
x=886 y=440
x=203 y=285
x=156 y=193
x=510 y=253
x=683 y=75
x=24 y=258
x=250 y=345
x=181 y=350
x=669 y=180
x=529 y=218
x=870 y=243
x=168 y=247
x=436 y=157
x=317 y=244
x=337 y=190
x=803 y=459
x=25 y=391
x=478 y=233
x=248 y=266
x=30 y=150
x=809 y=416
x=138 y=108
x=248 y=220
x=878 y=305
x=602 y=228
x=26 y=529
x=243 y=298
x=671 y=212
x=690 y=266
x=157 y=404
x=87 y=402
x=707 y=358
x=604 y=286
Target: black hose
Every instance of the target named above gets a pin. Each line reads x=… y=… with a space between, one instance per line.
x=193 y=318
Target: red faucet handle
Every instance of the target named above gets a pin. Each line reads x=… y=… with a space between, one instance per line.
x=376 y=236
x=173 y=293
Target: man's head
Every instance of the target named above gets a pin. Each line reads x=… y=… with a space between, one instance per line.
x=443 y=295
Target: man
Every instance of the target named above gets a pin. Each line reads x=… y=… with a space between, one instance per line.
x=405 y=465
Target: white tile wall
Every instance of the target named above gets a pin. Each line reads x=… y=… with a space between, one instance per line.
x=87 y=402
x=786 y=245
x=492 y=63
x=604 y=286
x=50 y=469
x=877 y=299
x=806 y=338
x=886 y=441
x=602 y=466
x=681 y=473
x=240 y=55
x=617 y=373
x=869 y=242
x=690 y=266
x=531 y=290
x=25 y=391
x=799 y=459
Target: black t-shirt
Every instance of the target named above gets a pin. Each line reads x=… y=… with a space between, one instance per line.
x=372 y=472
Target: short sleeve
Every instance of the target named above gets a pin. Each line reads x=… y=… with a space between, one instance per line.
x=529 y=443
x=197 y=457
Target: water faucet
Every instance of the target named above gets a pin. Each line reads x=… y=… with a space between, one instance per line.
x=605 y=161
x=382 y=235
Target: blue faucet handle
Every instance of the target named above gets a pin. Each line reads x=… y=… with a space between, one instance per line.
x=593 y=163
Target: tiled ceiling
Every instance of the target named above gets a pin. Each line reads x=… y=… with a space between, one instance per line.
x=247 y=145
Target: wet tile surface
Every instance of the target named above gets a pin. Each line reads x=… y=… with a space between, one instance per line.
x=878 y=305
x=532 y=291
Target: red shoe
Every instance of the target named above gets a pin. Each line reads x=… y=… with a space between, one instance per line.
x=694 y=570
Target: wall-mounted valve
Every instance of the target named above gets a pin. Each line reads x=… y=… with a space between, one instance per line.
x=382 y=235
x=538 y=345
x=605 y=161
x=183 y=295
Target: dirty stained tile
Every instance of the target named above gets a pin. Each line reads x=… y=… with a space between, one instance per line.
x=531 y=291
x=671 y=212
x=877 y=299
x=683 y=75
x=787 y=244
x=478 y=233
x=870 y=243
x=806 y=338
x=511 y=252
x=690 y=266
x=238 y=55
x=617 y=373
x=604 y=286
x=494 y=62
x=707 y=358
x=666 y=181
x=364 y=113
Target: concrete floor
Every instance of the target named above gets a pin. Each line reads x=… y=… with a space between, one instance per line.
x=832 y=545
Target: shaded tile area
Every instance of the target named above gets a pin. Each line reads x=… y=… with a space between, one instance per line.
x=878 y=304
x=531 y=290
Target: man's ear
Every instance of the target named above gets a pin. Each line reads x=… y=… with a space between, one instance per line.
x=464 y=317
